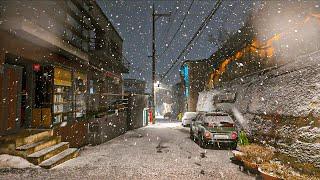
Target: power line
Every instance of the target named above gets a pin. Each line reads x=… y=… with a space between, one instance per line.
x=168 y=28
x=195 y=35
x=177 y=65
x=175 y=34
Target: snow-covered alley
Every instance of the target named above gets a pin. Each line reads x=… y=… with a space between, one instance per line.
x=160 y=151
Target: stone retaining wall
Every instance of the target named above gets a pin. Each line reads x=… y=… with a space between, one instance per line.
x=281 y=106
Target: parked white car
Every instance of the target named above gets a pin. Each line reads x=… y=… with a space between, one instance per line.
x=187 y=118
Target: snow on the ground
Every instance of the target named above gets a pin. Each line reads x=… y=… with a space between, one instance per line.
x=8 y=161
x=160 y=151
x=165 y=125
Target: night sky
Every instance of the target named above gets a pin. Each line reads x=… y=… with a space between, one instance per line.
x=133 y=20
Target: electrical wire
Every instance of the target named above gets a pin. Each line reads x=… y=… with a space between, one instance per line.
x=195 y=35
x=176 y=33
x=168 y=28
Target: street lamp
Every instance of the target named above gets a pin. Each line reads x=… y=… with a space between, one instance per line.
x=157 y=84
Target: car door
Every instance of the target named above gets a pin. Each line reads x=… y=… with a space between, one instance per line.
x=197 y=125
x=193 y=124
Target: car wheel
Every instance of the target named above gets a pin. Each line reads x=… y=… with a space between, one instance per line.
x=203 y=143
x=234 y=146
x=192 y=135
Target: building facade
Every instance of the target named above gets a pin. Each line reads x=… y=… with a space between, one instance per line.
x=178 y=99
x=134 y=86
x=60 y=64
x=194 y=75
x=138 y=103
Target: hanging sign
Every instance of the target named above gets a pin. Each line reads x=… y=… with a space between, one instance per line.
x=36 y=67
x=62 y=77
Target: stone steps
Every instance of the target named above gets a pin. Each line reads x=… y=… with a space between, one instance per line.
x=26 y=137
x=37 y=146
x=60 y=158
x=34 y=138
x=44 y=154
x=40 y=147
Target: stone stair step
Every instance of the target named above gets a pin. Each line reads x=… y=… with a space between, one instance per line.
x=37 y=146
x=27 y=136
x=34 y=137
x=46 y=153
x=60 y=158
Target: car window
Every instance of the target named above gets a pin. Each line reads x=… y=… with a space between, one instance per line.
x=218 y=119
x=199 y=117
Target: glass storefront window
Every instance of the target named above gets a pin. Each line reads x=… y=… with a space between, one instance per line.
x=80 y=89
x=62 y=97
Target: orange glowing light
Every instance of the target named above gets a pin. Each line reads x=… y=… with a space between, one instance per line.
x=262 y=49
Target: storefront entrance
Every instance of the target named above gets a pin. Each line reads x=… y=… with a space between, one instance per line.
x=10 y=96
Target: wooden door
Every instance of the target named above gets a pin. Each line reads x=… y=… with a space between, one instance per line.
x=10 y=111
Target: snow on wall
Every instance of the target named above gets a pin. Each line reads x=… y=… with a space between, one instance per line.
x=205 y=101
x=281 y=104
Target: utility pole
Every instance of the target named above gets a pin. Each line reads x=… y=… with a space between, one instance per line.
x=154 y=19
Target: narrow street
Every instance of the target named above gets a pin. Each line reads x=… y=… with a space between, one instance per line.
x=160 y=151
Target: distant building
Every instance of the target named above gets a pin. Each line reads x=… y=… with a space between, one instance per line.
x=138 y=103
x=178 y=99
x=134 y=86
x=194 y=75
x=163 y=99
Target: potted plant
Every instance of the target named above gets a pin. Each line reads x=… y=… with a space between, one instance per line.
x=271 y=171
x=242 y=141
x=254 y=155
x=277 y=171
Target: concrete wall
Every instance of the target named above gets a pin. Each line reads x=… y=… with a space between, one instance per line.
x=282 y=106
x=137 y=103
x=107 y=127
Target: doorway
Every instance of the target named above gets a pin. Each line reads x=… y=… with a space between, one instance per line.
x=145 y=116
x=10 y=111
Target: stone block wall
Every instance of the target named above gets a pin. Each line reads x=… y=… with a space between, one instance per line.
x=281 y=107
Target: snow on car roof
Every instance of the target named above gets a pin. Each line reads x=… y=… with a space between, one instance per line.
x=217 y=117
x=216 y=114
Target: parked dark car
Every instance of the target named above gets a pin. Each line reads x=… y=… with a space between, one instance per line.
x=214 y=128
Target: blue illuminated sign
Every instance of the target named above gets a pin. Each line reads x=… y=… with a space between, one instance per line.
x=186 y=79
